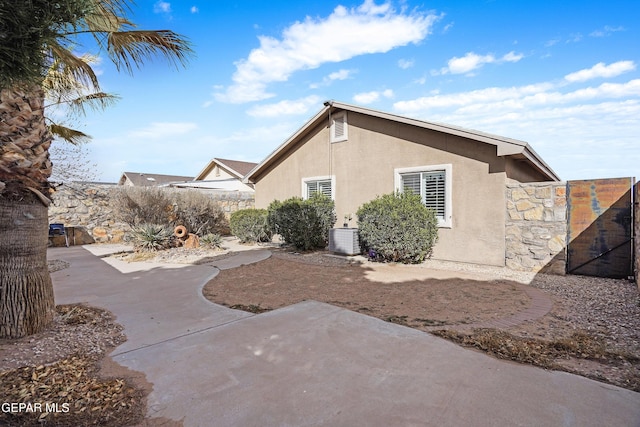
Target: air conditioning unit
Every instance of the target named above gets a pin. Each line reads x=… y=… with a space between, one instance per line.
x=344 y=241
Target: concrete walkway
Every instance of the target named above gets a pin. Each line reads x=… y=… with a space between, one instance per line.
x=312 y=363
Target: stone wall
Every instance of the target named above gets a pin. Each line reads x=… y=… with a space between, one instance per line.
x=89 y=206
x=536 y=227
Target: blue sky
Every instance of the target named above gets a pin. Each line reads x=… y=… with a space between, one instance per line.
x=562 y=76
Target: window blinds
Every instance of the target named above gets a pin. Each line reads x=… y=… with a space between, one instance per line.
x=323 y=187
x=431 y=188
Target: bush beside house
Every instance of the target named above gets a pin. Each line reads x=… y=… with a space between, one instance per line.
x=397 y=227
x=302 y=223
x=250 y=225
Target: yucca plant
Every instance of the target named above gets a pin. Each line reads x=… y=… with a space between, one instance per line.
x=151 y=237
x=211 y=240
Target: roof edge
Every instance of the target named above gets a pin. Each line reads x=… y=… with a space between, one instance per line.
x=301 y=131
x=505 y=146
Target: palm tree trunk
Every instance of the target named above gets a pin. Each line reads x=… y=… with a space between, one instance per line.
x=26 y=291
x=24 y=138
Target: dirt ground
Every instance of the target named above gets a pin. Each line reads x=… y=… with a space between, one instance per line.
x=284 y=280
x=591 y=329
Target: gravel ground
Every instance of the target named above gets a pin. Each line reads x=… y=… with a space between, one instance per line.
x=608 y=308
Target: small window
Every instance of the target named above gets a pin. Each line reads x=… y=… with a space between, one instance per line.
x=433 y=184
x=323 y=185
x=339 y=129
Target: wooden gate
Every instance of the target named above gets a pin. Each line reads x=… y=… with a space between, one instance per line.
x=600 y=227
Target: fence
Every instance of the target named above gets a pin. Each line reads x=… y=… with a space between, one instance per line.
x=89 y=206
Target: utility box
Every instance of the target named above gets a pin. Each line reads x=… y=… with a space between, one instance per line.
x=344 y=241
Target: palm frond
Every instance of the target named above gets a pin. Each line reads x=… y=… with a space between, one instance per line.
x=129 y=48
x=95 y=101
x=69 y=135
x=73 y=67
x=106 y=18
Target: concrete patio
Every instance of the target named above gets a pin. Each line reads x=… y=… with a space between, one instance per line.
x=312 y=363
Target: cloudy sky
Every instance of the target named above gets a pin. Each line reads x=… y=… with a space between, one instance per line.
x=562 y=76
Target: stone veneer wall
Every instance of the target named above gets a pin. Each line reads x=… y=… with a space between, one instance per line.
x=636 y=222
x=536 y=228
x=89 y=205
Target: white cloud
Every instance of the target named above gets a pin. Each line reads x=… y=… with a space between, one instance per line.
x=335 y=76
x=162 y=7
x=366 y=97
x=496 y=100
x=512 y=57
x=601 y=70
x=406 y=63
x=472 y=61
x=286 y=107
x=344 y=34
x=558 y=119
x=157 y=130
x=606 y=31
x=371 y=97
x=340 y=75
x=552 y=42
x=194 y=9
x=575 y=38
x=467 y=63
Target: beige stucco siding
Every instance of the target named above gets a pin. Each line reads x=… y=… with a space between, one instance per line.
x=364 y=165
x=217 y=173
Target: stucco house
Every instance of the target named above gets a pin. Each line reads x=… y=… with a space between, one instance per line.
x=354 y=154
x=218 y=169
x=221 y=175
x=139 y=179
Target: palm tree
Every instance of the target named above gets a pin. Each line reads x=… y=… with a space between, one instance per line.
x=36 y=37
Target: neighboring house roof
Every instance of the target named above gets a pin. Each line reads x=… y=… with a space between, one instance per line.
x=505 y=146
x=230 y=184
x=139 y=179
x=236 y=168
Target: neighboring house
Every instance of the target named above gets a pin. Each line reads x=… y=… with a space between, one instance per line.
x=222 y=175
x=354 y=154
x=218 y=169
x=137 y=179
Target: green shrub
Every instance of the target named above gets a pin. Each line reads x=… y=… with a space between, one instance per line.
x=398 y=227
x=250 y=225
x=151 y=205
x=151 y=237
x=304 y=224
x=211 y=240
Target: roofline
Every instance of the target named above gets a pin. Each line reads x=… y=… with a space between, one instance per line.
x=230 y=169
x=505 y=146
x=301 y=131
x=221 y=162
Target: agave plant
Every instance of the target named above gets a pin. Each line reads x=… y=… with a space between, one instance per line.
x=151 y=237
x=211 y=240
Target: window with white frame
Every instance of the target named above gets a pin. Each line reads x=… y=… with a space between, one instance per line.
x=339 y=129
x=322 y=185
x=433 y=184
